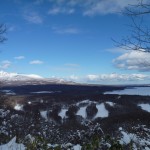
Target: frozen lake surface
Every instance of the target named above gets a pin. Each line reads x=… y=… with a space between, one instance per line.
x=145 y=91
x=145 y=107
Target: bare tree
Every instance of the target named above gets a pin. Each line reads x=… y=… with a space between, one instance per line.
x=139 y=39
x=2 y=39
x=2 y=33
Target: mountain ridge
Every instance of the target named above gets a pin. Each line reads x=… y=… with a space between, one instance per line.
x=25 y=79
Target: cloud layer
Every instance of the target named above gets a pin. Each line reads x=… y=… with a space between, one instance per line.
x=133 y=60
x=60 y=10
x=111 y=78
x=89 y=7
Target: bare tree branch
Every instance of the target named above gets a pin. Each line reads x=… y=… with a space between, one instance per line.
x=3 y=30
x=139 y=39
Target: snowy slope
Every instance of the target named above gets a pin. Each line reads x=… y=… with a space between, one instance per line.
x=15 y=78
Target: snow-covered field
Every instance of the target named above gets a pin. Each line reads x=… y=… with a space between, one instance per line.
x=102 y=111
x=145 y=107
x=82 y=112
x=44 y=114
x=139 y=142
x=12 y=145
x=62 y=113
x=145 y=91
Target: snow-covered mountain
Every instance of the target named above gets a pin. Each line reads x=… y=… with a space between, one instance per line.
x=24 y=79
x=16 y=76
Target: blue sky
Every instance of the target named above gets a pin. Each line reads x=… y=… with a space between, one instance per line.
x=69 y=39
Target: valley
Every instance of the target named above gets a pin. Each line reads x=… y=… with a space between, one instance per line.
x=60 y=114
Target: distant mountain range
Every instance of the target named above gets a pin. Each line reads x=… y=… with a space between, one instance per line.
x=27 y=79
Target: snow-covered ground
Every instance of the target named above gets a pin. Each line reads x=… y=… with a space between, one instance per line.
x=44 y=114
x=102 y=111
x=4 y=113
x=87 y=101
x=145 y=107
x=18 y=107
x=15 y=76
x=132 y=91
x=62 y=113
x=110 y=103
x=12 y=145
x=139 y=141
x=82 y=112
x=77 y=147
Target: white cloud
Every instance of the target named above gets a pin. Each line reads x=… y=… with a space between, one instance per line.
x=36 y=62
x=91 y=7
x=59 y=10
x=74 y=78
x=133 y=60
x=67 y=30
x=33 y=17
x=72 y=65
x=112 y=78
x=116 y=77
x=19 y=57
x=107 y=6
x=117 y=50
x=5 y=64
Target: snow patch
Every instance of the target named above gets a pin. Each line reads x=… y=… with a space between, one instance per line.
x=62 y=113
x=84 y=102
x=102 y=112
x=29 y=102
x=15 y=76
x=126 y=139
x=52 y=145
x=4 y=113
x=18 y=107
x=145 y=107
x=12 y=145
x=110 y=103
x=77 y=147
x=44 y=114
x=140 y=141
x=82 y=112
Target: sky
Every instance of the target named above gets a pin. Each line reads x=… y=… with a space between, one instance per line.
x=70 y=39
